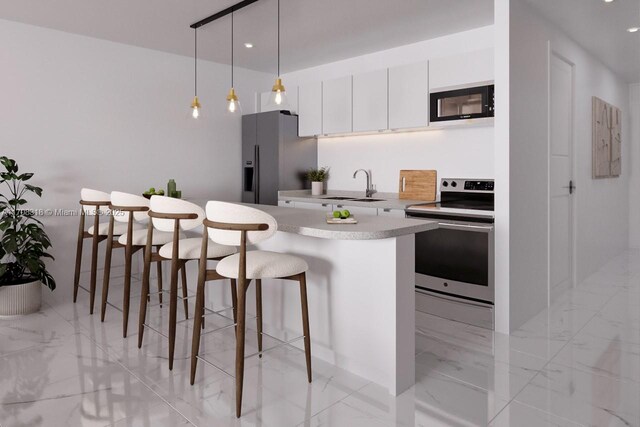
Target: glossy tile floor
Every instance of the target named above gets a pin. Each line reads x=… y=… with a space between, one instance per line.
x=577 y=363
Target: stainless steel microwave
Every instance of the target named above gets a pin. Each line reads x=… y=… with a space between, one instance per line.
x=462 y=104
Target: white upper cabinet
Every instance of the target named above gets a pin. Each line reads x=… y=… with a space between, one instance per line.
x=409 y=96
x=461 y=70
x=310 y=109
x=337 y=105
x=370 y=92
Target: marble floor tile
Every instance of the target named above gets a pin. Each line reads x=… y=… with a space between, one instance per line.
x=485 y=371
x=342 y=415
x=517 y=414
x=583 y=397
x=611 y=357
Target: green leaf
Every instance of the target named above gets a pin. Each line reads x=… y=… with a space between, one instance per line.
x=3 y=269
x=25 y=176
x=17 y=202
x=34 y=189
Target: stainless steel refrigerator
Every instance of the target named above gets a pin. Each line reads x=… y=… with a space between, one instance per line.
x=274 y=158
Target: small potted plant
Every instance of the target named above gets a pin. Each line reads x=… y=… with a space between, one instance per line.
x=23 y=245
x=318 y=178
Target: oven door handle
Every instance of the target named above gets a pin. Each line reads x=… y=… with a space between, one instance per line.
x=479 y=228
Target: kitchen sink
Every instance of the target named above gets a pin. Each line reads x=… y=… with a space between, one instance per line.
x=337 y=198
x=367 y=200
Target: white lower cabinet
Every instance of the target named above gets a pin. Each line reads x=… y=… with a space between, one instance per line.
x=396 y=213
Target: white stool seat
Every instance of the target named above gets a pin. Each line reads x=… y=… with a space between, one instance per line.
x=263 y=265
x=119 y=228
x=190 y=249
x=140 y=237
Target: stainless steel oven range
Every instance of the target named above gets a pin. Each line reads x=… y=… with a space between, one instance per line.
x=455 y=263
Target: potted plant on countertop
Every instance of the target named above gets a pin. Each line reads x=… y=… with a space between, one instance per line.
x=23 y=245
x=318 y=178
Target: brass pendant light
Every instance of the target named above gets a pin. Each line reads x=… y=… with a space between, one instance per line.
x=233 y=104
x=278 y=95
x=195 y=104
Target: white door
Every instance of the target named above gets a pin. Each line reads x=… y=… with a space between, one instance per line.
x=409 y=96
x=561 y=247
x=310 y=109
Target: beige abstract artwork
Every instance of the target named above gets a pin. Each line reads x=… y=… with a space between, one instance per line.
x=607 y=139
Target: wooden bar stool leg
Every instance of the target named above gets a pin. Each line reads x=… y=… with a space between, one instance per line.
x=240 y=332
x=173 y=301
x=234 y=299
x=107 y=271
x=259 y=313
x=159 y=273
x=305 y=322
x=183 y=279
x=145 y=285
x=76 y=277
x=198 y=322
x=127 y=276
x=94 y=262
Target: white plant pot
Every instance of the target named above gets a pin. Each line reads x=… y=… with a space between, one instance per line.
x=18 y=300
x=317 y=188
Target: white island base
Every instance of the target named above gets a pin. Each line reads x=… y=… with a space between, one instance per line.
x=361 y=304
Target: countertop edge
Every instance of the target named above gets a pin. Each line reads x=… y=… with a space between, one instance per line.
x=358 y=235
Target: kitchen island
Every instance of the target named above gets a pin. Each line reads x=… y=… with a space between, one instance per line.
x=361 y=291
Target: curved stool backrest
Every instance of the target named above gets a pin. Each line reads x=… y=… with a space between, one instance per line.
x=170 y=205
x=91 y=200
x=232 y=213
x=126 y=200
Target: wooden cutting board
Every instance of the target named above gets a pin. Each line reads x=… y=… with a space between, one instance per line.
x=418 y=184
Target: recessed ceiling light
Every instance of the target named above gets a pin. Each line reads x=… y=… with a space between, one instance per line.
x=608 y=1
x=248 y=45
x=633 y=29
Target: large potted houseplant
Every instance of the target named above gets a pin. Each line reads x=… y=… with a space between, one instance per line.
x=23 y=244
x=318 y=178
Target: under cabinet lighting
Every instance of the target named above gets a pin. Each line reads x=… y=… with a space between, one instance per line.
x=633 y=29
x=248 y=45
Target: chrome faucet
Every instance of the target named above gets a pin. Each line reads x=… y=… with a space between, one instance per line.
x=369 y=191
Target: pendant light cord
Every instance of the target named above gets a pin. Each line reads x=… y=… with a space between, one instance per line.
x=195 y=61
x=231 y=49
x=278 y=38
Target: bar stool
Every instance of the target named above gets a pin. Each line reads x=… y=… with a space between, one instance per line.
x=170 y=214
x=91 y=201
x=238 y=225
x=130 y=210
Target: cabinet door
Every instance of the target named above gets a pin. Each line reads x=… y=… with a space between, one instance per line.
x=337 y=105
x=310 y=109
x=370 y=91
x=314 y=206
x=409 y=96
x=396 y=213
x=357 y=210
x=467 y=69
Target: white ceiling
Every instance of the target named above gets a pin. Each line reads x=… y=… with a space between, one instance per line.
x=313 y=31
x=600 y=28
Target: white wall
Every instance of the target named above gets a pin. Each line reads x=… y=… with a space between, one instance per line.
x=80 y=111
x=453 y=152
x=634 y=195
x=601 y=205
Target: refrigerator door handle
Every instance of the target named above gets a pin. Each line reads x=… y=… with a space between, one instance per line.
x=256 y=174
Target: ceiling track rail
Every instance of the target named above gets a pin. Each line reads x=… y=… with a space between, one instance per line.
x=222 y=13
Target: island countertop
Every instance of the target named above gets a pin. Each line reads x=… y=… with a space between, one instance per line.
x=369 y=227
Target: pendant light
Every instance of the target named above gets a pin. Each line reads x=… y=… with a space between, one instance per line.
x=195 y=104
x=278 y=95
x=233 y=105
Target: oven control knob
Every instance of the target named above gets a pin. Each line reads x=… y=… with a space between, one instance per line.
x=454 y=184
x=445 y=184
